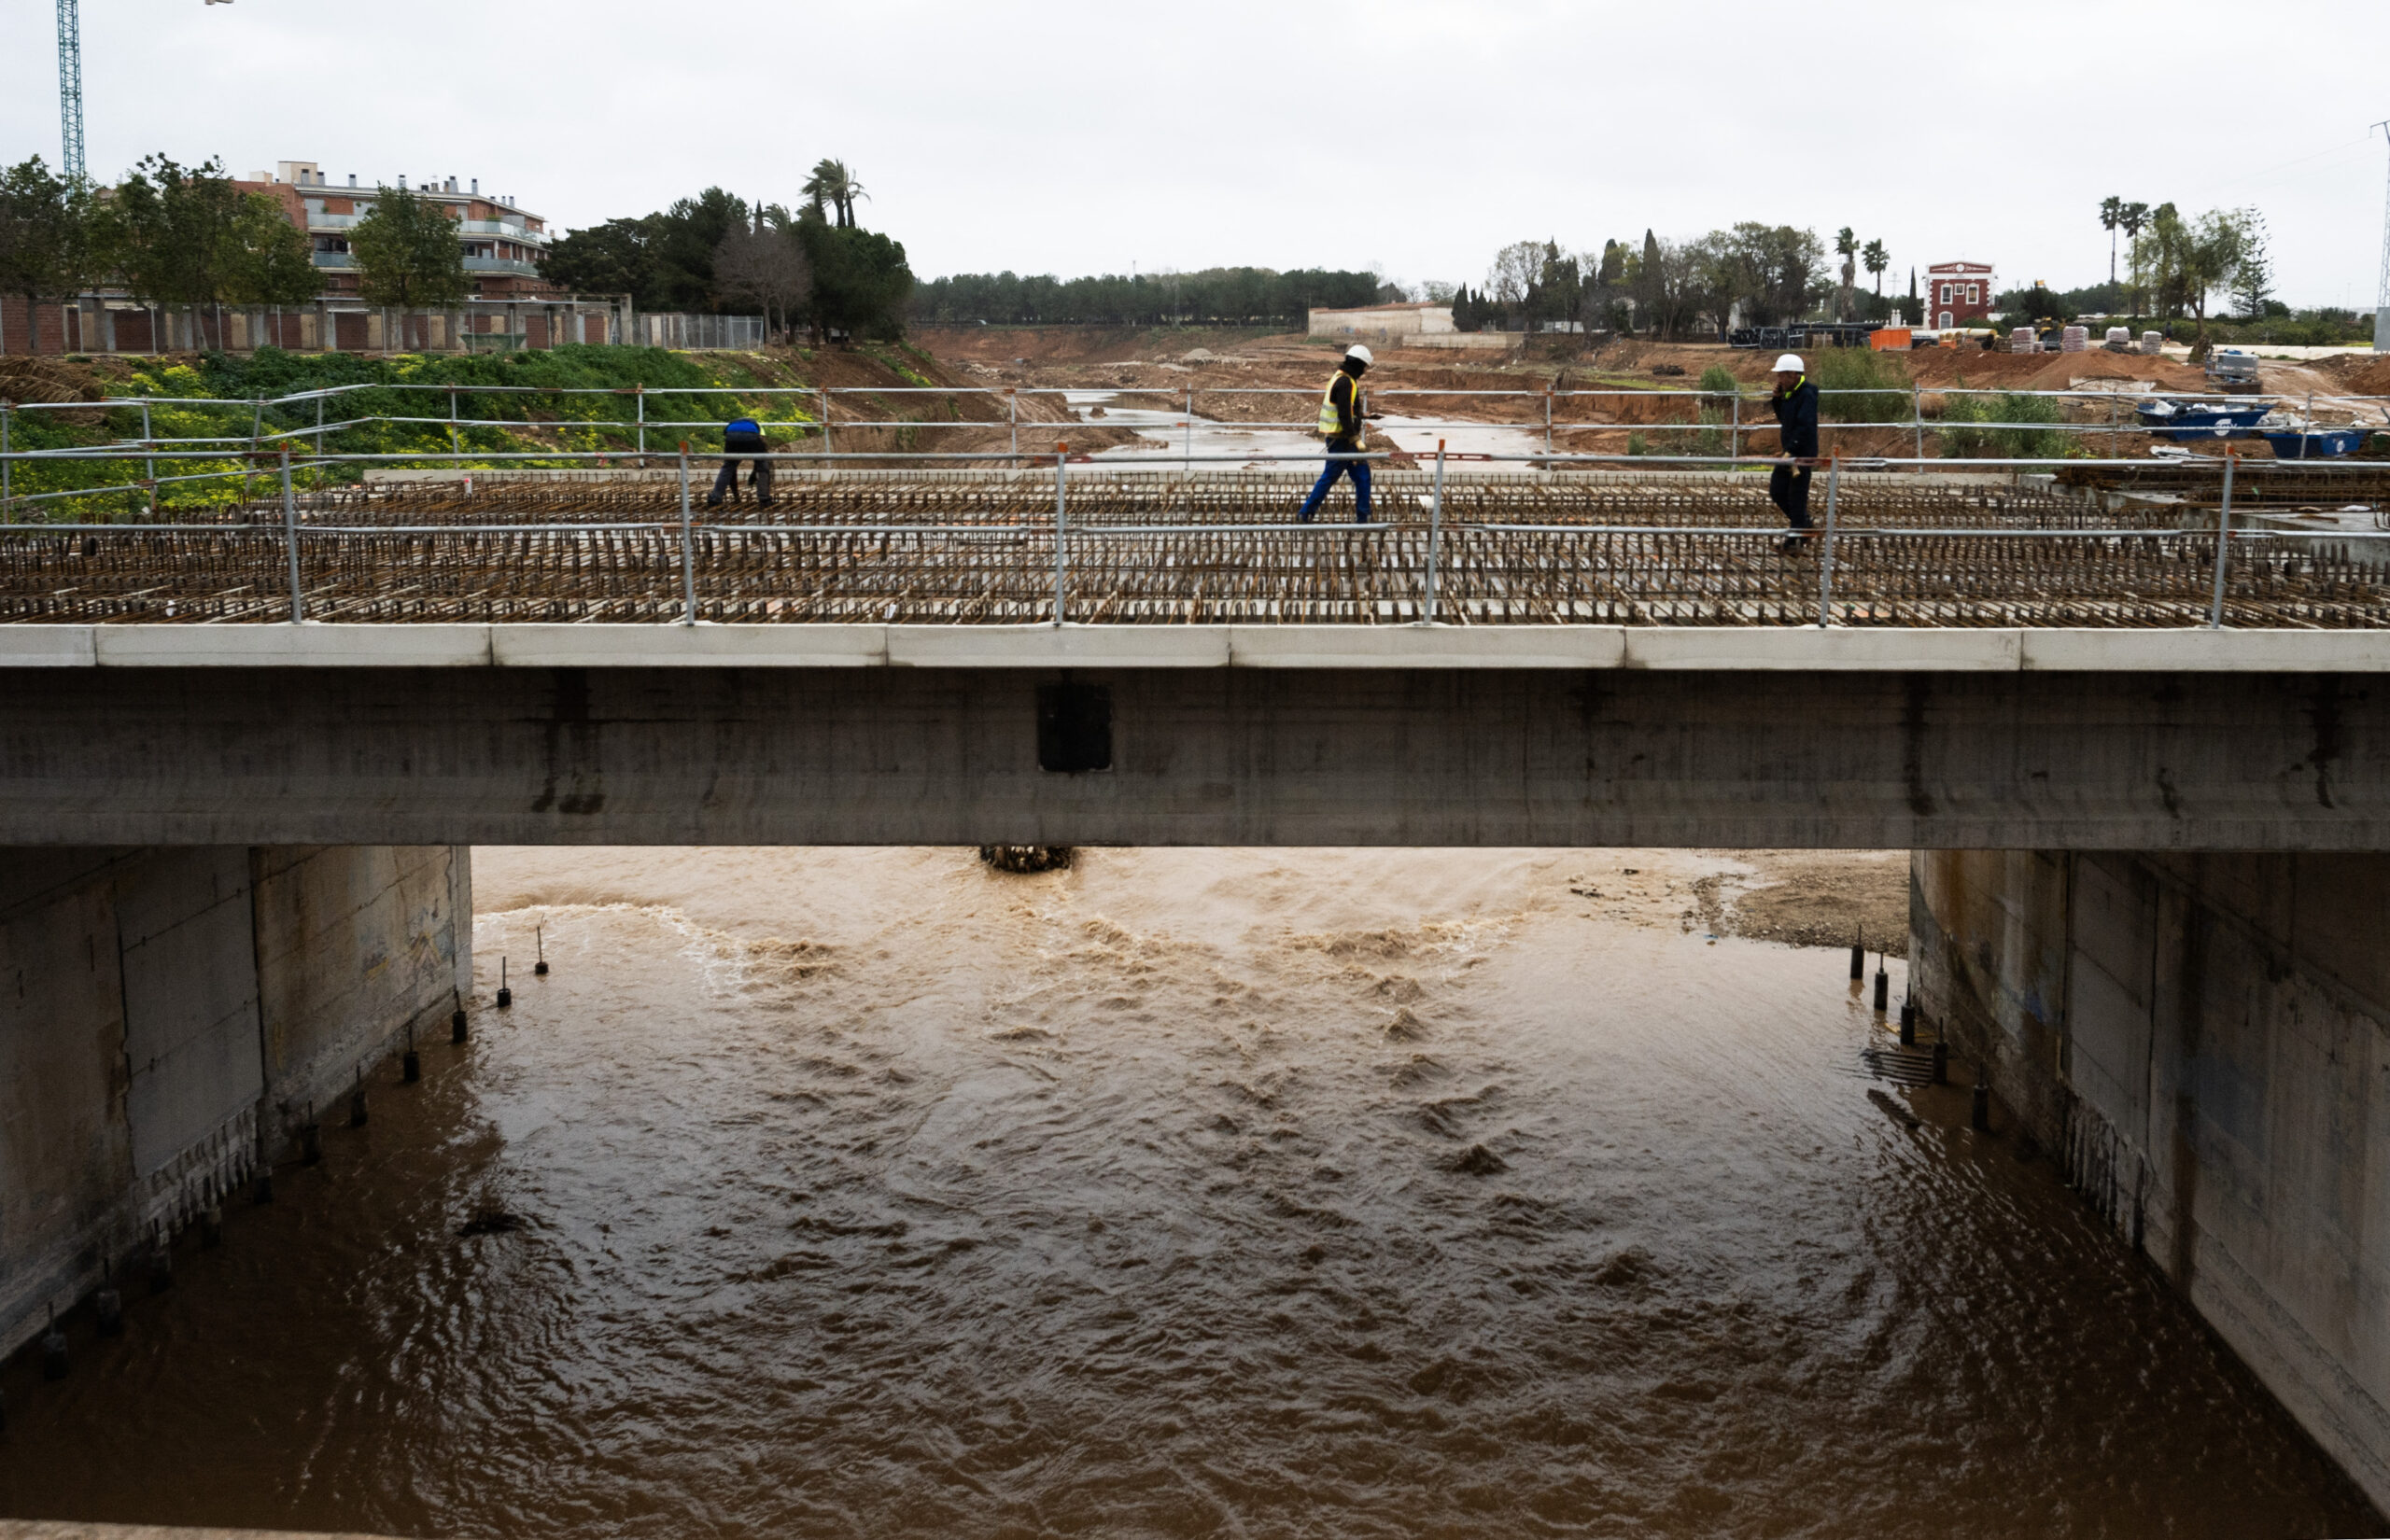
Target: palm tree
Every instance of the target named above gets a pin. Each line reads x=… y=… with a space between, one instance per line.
x=2112 y=213
x=833 y=184
x=2131 y=217
x=1877 y=260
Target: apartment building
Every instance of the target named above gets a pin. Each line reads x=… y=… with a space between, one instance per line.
x=504 y=242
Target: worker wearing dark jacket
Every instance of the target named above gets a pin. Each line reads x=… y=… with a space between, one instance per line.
x=742 y=438
x=1795 y=401
x=1343 y=412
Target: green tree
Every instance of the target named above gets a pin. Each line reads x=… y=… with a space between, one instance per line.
x=172 y=233
x=687 y=235
x=270 y=261
x=46 y=235
x=834 y=184
x=2112 y=213
x=407 y=252
x=2188 y=262
x=2131 y=217
x=2253 y=283
x=1875 y=259
x=861 y=281
x=615 y=258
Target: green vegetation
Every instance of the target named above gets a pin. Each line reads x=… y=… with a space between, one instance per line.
x=1225 y=296
x=579 y=423
x=45 y=233
x=716 y=254
x=1961 y=440
x=1882 y=380
x=407 y=253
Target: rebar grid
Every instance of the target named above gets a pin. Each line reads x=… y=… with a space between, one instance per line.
x=1143 y=548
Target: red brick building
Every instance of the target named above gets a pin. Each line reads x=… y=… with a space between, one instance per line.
x=1957 y=294
x=503 y=242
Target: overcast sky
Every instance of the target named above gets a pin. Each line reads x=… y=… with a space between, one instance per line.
x=1085 y=137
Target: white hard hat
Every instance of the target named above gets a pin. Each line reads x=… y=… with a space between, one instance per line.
x=1360 y=352
x=1789 y=364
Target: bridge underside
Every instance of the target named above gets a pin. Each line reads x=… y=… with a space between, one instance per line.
x=1324 y=756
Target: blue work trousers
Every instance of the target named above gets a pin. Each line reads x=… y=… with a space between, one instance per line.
x=1357 y=470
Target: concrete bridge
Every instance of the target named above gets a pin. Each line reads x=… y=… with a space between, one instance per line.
x=2150 y=896
x=1407 y=735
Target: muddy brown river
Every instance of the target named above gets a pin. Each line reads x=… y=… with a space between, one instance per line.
x=1186 y=1193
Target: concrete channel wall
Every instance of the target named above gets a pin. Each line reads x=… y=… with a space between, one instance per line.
x=168 y=1017
x=2203 y=1044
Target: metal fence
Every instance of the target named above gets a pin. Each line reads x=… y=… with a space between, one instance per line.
x=977 y=538
x=1683 y=535
x=675 y=330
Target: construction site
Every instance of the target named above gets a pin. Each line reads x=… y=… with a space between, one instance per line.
x=1089 y=484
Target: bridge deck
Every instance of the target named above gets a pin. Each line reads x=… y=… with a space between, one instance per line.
x=1141 y=548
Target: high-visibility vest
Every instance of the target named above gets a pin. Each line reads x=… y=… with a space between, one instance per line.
x=1330 y=427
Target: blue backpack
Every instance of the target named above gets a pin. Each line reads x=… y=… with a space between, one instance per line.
x=742 y=425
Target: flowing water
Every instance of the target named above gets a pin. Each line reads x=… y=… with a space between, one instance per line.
x=1235 y=1193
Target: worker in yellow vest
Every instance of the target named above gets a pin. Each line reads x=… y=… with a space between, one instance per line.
x=1342 y=411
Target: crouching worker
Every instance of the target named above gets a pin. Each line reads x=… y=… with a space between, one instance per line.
x=1343 y=412
x=742 y=439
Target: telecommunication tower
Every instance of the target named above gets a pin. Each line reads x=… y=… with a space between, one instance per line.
x=70 y=92
x=2382 y=288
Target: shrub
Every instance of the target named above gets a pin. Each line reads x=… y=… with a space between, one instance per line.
x=1963 y=441
x=1880 y=380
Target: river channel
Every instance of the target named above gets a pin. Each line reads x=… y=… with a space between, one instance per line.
x=1184 y=1193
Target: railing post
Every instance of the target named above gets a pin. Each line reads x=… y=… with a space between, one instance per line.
x=290 y=538
x=1917 y=415
x=8 y=513
x=455 y=446
x=640 y=392
x=1062 y=529
x=257 y=422
x=1435 y=532
x=2223 y=543
x=1187 y=472
x=1012 y=398
x=825 y=425
x=1825 y=554
x=148 y=463
x=688 y=547
x=319 y=426
x=1735 y=438
x=1547 y=424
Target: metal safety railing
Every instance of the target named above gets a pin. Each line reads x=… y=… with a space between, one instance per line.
x=1398 y=567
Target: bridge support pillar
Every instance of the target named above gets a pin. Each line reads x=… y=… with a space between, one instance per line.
x=168 y=1015
x=2203 y=1044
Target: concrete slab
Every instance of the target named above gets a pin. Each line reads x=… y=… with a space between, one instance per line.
x=669 y=646
x=292 y=646
x=1786 y=648
x=46 y=647
x=1425 y=646
x=1059 y=646
x=2204 y=652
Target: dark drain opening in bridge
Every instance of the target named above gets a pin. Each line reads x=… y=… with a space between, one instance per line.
x=1074 y=727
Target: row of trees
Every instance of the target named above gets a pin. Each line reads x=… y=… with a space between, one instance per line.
x=186 y=237
x=1763 y=275
x=717 y=253
x=1220 y=296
